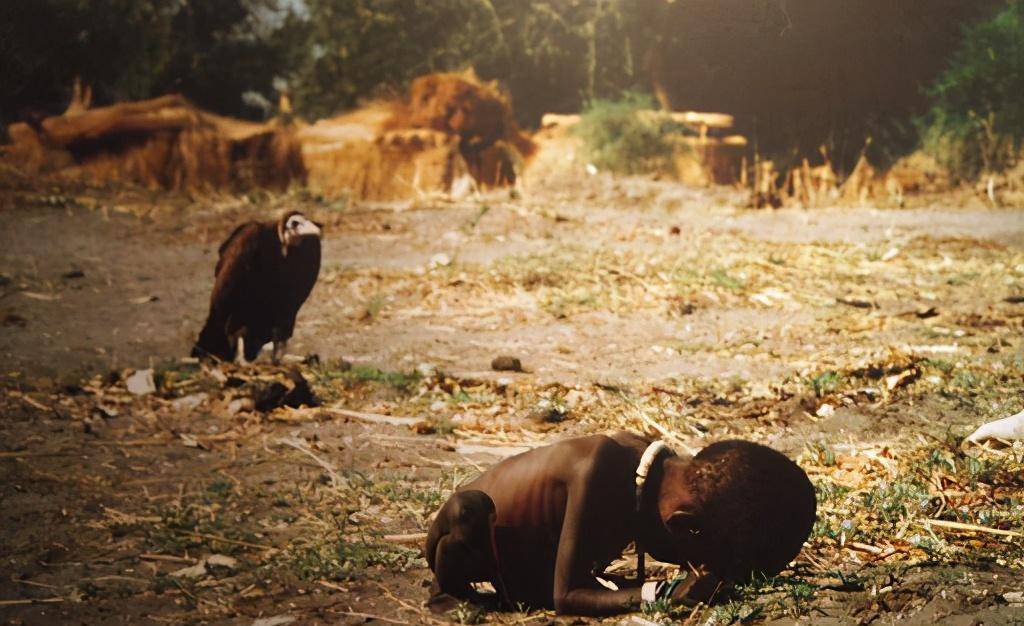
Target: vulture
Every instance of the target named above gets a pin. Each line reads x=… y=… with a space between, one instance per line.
x=264 y=273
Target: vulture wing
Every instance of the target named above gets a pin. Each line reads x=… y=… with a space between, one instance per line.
x=233 y=279
x=238 y=270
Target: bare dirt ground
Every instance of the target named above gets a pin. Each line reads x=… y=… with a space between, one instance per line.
x=863 y=342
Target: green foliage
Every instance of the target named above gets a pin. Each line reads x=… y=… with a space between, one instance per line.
x=343 y=558
x=360 y=48
x=626 y=136
x=824 y=383
x=976 y=123
x=211 y=51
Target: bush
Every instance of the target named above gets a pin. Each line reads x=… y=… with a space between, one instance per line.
x=976 y=122
x=626 y=136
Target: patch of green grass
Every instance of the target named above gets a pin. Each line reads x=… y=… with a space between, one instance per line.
x=721 y=278
x=466 y=613
x=940 y=365
x=398 y=380
x=563 y=303
x=897 y=500
x=628 y=136
x=822 y=453
x=827 y=492
x=374 y=306
x=329 y=374
x=825 y=383
x=664 y=611
x=343 y=558
x=472 y=223
x=420 y=499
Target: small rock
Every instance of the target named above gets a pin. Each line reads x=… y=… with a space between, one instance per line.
x=104 y=412
x=221 y=560
x=238 y=405
x=440 y=260
x=573 y=399
x=193 y=571
x=825 y=410
x=1014 y=597
x=141 y=383
x=426 y=370
x=13 y=319
x=207 y=566
x=76 y=273
x=185 y=404
x=506 y=364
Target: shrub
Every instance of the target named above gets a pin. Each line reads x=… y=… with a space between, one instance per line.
x=976 y=122
x=626 y=136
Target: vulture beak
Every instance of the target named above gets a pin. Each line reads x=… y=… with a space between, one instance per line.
x=308 y=227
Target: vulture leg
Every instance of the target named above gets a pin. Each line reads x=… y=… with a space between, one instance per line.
x=240 y=355
x=279 y=351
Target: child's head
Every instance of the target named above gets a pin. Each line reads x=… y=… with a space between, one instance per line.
x=738 y=508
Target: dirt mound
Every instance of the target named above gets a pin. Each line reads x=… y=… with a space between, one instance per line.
x=164 y=142
x=479 y=113
x=451 y=132
x=394 y=165
x=920 y=172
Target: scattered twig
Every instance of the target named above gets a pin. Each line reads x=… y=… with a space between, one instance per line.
x=405 y=538
x=969 y=527
x=170 y=558
x=374 y=418
x=31 y=601
x=370 y=616
x=336 y=480
x=235 y=542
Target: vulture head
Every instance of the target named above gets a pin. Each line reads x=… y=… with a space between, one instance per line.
x=293 y=227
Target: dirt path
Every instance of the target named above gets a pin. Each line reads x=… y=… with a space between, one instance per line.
x=836 y=335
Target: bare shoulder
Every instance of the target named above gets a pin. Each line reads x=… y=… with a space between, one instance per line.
x=599 y=454
x=631 y=439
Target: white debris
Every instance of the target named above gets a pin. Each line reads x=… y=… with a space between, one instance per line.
x=440 y=260
x=206 y=566
x=185 y=404
x=221 y=560
x=825 y=410
x=1009 y=428
x=193 y=571
x=1014 y=597
x=141 y=382
x=276 y=620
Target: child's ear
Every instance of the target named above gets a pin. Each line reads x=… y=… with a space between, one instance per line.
x=682 y=523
